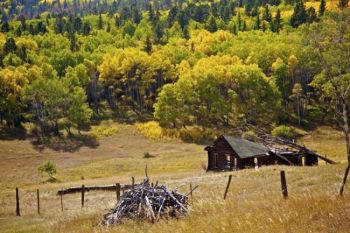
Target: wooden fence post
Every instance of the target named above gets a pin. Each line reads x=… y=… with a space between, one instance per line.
x=191 y=192
x=284 y=184
x=228 y=185
x=17 y=203
x=82 y=195
x=61 y=201
x=117 y=189
x=146 y=172
x=38 y=200
x=133 y=182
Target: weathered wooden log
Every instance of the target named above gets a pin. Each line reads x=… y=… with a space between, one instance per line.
x=91 y=188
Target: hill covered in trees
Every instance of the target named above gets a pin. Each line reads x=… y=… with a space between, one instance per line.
x=220 y=63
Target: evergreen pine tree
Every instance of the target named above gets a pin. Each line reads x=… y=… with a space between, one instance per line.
x=239 y=21
x=254 y=12
x=263 y=26
x=244 y=26
x=158 y=33
x=186 y=33
x=211 y=24
x=22 y=19
x=100 y=22
x=182 y=19
x=267 y=15
x=136 y=16
x=9 y=46
x=148 y=45
x=86 y=28
x=299 y=15
x=117 y=21
x=235 y=31
x=59 y=25
x=73 y=42
x=150 y=13
x=322 y=8
x=18 y=31
x=277 y=22
x=5 y=27
x=257 y=25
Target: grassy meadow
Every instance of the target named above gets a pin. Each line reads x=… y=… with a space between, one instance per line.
x=254 y=202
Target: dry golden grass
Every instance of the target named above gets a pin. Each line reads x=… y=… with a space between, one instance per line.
x=326 y=141
x=254 y=202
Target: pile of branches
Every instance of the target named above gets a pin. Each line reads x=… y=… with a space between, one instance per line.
x=148 y=202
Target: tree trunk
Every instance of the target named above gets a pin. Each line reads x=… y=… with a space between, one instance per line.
x=298 y=110
x=347 y=141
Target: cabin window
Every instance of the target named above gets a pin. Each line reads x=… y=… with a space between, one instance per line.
x=228 y=160
x=235 y=163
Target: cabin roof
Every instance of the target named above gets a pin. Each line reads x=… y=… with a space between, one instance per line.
x=245 y=148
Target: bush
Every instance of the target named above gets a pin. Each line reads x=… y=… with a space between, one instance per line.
x=154 y=131
x=250 y=135
x=283 y=131
x=102 y=131
x=49 y=168
x=148 y=155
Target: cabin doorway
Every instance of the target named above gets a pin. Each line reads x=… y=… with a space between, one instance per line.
x=215 y=160
x=235 y=163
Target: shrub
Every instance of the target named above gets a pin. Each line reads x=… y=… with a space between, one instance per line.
x=153 y=130
x=283 y=131
x=102 y=131
x=250 y=135
x=148 y=155
x=49 y=168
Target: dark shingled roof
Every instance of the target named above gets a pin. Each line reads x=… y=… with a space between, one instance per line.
x=245 y=148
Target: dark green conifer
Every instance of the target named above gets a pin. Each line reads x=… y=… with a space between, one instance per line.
x=148 y=45
x=257 y=25
x=322 y=8
x=211 y=24
x=100 y=22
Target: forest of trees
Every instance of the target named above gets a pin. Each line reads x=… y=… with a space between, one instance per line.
x=209 y=63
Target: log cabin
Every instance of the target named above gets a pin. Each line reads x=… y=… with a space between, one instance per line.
x=230 y=153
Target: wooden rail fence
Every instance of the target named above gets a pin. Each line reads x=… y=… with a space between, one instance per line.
x=118 y=188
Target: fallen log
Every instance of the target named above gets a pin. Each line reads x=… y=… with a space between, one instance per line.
x=92 y=188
